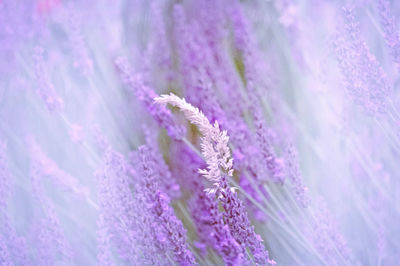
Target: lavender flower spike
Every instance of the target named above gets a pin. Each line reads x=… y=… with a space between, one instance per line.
x=390 y=30
x=45 y=87
x=162 y=116
x=170 y=230
x=214 y=143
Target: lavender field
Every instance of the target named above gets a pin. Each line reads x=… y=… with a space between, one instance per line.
x=199 y=132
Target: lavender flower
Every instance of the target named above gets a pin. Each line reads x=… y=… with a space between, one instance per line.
x=5 y=258
x=117 y=205
x=12 y=247
x=365 y=80
x=45 y=87
x=209 y=221
x=52 y=244
x=46 y=167
x=326 y=237
x=146 y=95
x=104 y=256
x=391 y=33
x=5 y=177
x=246 y=45
x=167 y=181
x=236 y=217
x=169 y=228
x=212 y=228
x=82 y=60
x=300 y=191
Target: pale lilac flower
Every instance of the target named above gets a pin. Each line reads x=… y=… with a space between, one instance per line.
x=45 y=88
x=212 y=229
x=5 y=258
x=209 y=222
x=81 y=57
x=364 y=78
x=236 y=217
x=168 y=182
x=118 y=204
x=5 y=177
x=270 y=164
x=12 y=247
x=146 y=95
x=327 y=238
x=168 y=228
x=300 y=191
x=52 y=245
x=45 y=167
x=391 y=32
x=104 y=255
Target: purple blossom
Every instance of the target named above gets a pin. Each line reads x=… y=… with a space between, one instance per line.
x=118 y=205
x=168 y=228
x=391 y=33
x=5 y=258
x=300 y=191
x=82 y=60
x=104 y=255
x=236 y=218
x=364 y=78
x=327 y=238
x=146 y=95
x=45 y=88
x=12 y=247
x=249 y=54
x=161 y=47
x=212 y=229
x=52 y=246
x=208 y=219
x=5 y=177
x=45 y=167
x=168 y=182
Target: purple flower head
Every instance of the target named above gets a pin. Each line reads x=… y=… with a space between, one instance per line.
x=5 y=258
x=364 y=78
x=169 y=229
x=45 y=167
x=300 y=191
x=146 y=95
x=270 y=164
x=82 y=60
x=118 y=204
x=212 y=229
x=5 y=177
x=45 y=88
x=391 y=32
x=327 y=238
x=104 y=255
x=167 y=181
x=12 y=247
x=52 y=245
x=236 y=218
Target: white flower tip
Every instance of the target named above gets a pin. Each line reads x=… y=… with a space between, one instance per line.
x=233 y=189
x=210 y=190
